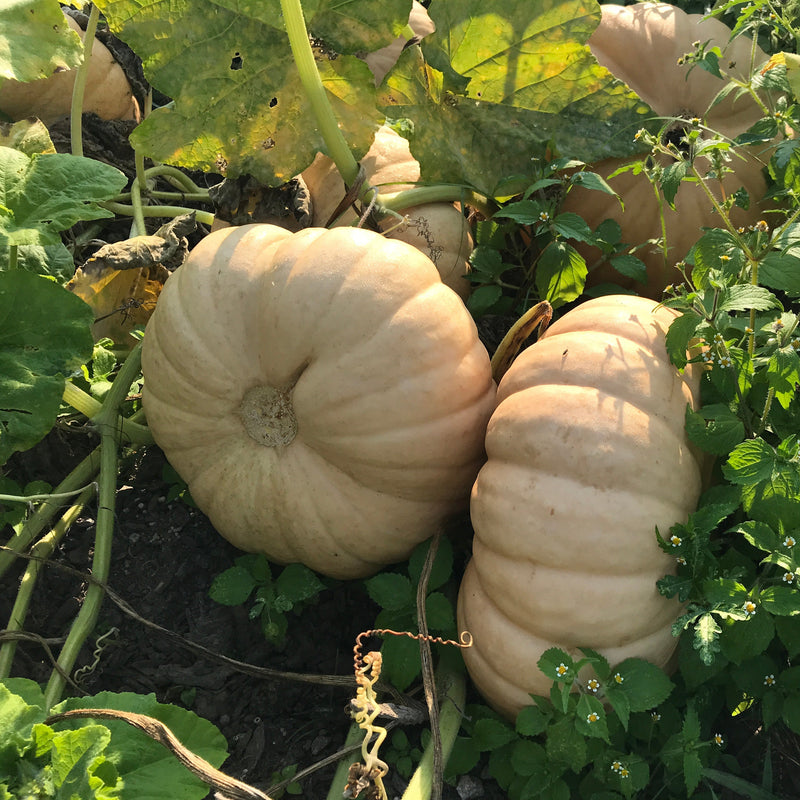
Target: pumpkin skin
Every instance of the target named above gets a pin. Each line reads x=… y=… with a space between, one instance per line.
x=381 y=61
x=439 y=230
x=322 y=393
x=641 y=45
x=108 y=93
x=586 y=455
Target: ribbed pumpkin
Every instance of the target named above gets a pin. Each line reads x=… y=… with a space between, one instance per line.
x=437 y=229
x=641 y=44
x=322 y=393
x=108 y=93
x=586 y=455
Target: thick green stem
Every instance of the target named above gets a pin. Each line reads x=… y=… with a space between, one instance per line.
x=13 y=256
x=206 y=217
x=40 y=552
x=327 y=123
x=83 y=624
x=132 y=432
x=454 y=684
x=84 y=473
x=79 y=87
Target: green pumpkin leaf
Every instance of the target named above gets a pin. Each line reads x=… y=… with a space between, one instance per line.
x=46 y=335
x=253 y=119
x=46 y=193
x=35 y=40
x=147 y=769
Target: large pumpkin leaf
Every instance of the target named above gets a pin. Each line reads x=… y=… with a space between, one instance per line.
x=49 y=192
x=45 y=333
x=238 y=104
x=461 y=140
x=148 y=770
x=35 y=40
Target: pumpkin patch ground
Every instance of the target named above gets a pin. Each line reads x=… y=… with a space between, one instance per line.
x=339 y=457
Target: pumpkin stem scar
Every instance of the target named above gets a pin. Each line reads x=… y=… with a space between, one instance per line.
x=268 y=415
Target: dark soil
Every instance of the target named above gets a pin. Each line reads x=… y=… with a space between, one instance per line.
x=165 y=557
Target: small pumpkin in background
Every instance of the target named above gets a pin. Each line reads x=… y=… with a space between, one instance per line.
x=108 y=92
x=586 y=455
x=440 y=230
x=322 y=393
x=641 y=45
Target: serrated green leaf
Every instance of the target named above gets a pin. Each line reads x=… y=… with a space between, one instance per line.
x=523 y=212
x=560 y=273
x=35 y=40
x=780 y=271
x=743 y=639
x=680 y=332
x=565 y=745
x=46 y=334
x=714 y=428
x=391 y=591
x=760 y=535
x=744 y=297
x=630 y=266
x=489 y=734
x=531 y=721
x=644 y=684
x=75 y=761
x=590 y=718
x=671 y=178
x=442 y=568
x=781 y=601
x=529 y=759
x=440 y=615
x=232 y=587
x=783 y=374
x=297 y=582
x=706 y=638
x=557 y=665
x=17 y=718
x=572 y=226
x=692 y=770
x=750 y=462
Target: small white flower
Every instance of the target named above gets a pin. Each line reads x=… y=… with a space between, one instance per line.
x=562 y=669
x=769 y=680
x=789 y=541
x=618 y=678
x=593 y=685
x=593 y=717
x=749 y=608
x=718 y=739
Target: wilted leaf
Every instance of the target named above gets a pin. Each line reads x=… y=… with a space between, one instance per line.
x=121 y=282
x=29 y=136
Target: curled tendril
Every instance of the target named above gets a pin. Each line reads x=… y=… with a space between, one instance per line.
x=368 y=776
x=464 y=640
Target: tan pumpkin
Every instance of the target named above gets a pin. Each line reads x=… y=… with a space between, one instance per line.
x=586 y=455
x=641 y=44
x=381 y=61
x=322 y=393
x=439 y=230
x=108 y=93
